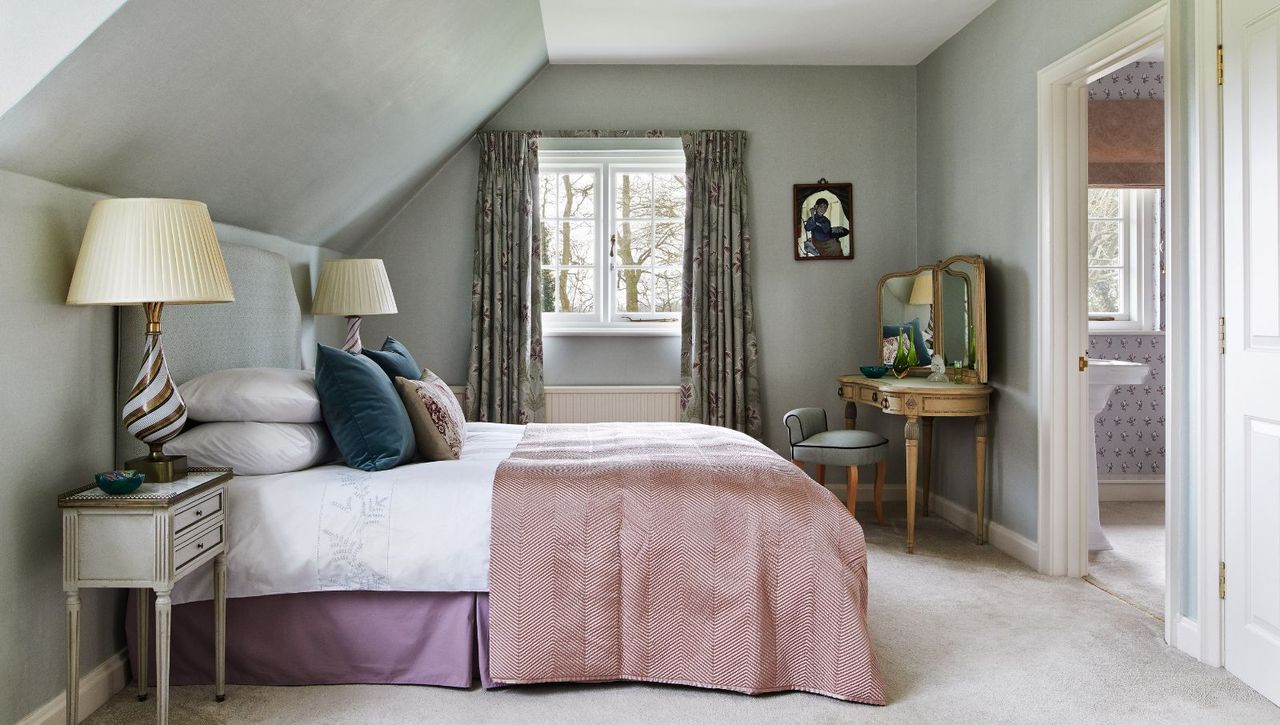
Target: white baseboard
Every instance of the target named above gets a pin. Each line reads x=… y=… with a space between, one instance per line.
x=96 y=688
x=1132 y=489
x=1007 y=540
x=1187 y=634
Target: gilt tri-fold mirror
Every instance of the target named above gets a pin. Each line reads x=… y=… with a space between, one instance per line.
x=936 y=308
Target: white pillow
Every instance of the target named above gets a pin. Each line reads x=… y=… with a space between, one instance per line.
x=253 y=449
x=263 y=395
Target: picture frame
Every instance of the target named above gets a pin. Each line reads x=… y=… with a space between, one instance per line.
x=822 y=219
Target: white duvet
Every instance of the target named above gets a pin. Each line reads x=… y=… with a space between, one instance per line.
x=420 y=527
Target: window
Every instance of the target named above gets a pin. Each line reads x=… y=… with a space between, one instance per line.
x=1123 y=228
x=612 y=240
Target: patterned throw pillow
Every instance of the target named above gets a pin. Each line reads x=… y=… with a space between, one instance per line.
x=439 y=427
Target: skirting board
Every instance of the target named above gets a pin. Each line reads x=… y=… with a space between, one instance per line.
x=1004 y=539
x=96 y=688
x=1131 y=489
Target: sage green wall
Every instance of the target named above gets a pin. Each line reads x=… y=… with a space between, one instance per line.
x=815 y=320
x=976 y=157
x=57 y=422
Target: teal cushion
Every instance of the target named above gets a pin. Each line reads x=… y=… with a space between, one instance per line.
x=363 y=410
x=394 y=358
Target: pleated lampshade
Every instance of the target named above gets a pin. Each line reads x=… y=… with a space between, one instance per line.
x=353 y=287
x=922 y=290
x=149 y=250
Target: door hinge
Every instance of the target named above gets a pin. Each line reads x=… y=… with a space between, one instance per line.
x=1084 y=363
x=1222 y=580
x=1222 y=336
x=1219 y=65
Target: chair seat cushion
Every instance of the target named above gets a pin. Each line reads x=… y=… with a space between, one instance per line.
x=842 y=448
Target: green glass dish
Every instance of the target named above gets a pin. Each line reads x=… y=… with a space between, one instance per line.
x=874 y=371
x=118 y=483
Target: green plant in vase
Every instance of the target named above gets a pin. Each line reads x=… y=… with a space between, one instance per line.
x=902 y=361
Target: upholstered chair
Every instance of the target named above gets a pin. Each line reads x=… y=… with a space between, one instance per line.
x=811 y=442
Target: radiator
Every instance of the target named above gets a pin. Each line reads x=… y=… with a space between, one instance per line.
x=606 y=403
x=612 y=403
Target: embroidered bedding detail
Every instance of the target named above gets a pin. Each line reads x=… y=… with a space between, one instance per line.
x=353 y=550
x=679 y=553
x=719 y=376
x=439 y=426
x=504 y=378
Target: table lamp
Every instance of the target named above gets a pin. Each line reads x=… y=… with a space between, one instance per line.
x=151 y=252
x=353 y=288
x=922 y=290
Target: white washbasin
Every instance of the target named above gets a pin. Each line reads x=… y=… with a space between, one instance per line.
x=1104 y=376
x=1117 y=372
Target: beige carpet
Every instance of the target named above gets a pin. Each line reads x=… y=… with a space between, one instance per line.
x=964 y=634
x=1133 y=569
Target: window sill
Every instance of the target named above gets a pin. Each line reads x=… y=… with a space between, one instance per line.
x=1121 y=328
x=637 y=329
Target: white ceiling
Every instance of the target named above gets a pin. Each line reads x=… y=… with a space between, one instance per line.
x=752 y=32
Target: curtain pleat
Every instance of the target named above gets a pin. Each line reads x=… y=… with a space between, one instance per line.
x=504 y=379
x=719 y=368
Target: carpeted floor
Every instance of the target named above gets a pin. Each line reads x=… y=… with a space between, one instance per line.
x=963 y=634
x=1133 y=569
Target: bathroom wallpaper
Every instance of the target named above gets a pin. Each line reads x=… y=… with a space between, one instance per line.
x=1129 y=434
x=1141 y=80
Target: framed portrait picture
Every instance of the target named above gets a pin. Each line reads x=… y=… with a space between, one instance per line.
x=823 y=221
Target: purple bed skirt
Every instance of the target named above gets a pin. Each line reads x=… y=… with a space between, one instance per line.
x=329 y=638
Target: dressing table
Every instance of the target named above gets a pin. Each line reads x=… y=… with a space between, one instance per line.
x=937 y=309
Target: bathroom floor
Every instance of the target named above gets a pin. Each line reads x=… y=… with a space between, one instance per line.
x=1133 y=570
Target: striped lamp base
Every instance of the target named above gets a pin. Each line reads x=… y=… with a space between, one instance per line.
x=352 y=343
x=154 y=412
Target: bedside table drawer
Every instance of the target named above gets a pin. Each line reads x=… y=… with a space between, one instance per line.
x=197 y=511
x=204 y=543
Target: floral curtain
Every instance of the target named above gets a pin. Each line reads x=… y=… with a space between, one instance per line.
x=719 y=376
x=504 y=380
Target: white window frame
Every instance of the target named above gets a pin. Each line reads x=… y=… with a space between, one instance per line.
x=606 y=320
x=1138 y=229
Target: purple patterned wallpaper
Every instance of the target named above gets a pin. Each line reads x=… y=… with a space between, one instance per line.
x=1129 y=434
x=1141 y=80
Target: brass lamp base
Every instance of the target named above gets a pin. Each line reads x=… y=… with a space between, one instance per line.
x=159 y=468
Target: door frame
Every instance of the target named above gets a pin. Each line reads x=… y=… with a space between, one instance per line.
x=1192 y=512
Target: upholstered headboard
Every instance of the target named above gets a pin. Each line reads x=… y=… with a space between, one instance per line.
x=262 y=328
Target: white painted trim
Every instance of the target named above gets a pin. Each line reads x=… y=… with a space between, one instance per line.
x=1203 y=424
x=1004 y=539
x=96 y=688
x=1064 y=436
x=1188 y=637
x=1131 y=491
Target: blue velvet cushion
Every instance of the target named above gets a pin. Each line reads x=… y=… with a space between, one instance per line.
x=395 y=359
x=363 y=411
x=913 y=331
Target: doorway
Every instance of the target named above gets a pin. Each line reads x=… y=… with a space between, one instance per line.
x=1121 y=228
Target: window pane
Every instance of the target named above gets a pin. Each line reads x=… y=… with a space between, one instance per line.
x=634 y=195
x=575 y=196
x=634 y=287
x=1104 y=244
x=548 y=290
x=548 y=242
x=1104 y=291
x=668 y=242
x=575 y=291
x=547 y=190
x=633 y=243
x=666 y=290
x=573 y=243
x=1104 y=202
x=668 y=195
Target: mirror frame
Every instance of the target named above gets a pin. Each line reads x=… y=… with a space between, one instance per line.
x=978 y=373
x=933 y=311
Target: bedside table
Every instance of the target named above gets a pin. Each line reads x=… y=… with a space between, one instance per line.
x=148 y=539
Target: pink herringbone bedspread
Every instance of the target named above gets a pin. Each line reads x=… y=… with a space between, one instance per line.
x=678 y=553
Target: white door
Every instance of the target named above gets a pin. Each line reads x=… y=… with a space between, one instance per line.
x=1251 y=218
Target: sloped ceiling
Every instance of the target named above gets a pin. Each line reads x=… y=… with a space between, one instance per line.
x=309 y=120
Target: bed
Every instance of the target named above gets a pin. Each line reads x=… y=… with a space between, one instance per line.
x=667 y=553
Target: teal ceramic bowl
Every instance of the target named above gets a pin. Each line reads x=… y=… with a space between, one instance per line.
x=874 y=371
x=118 y=483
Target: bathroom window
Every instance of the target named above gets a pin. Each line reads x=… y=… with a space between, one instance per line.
x=1123 y=229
